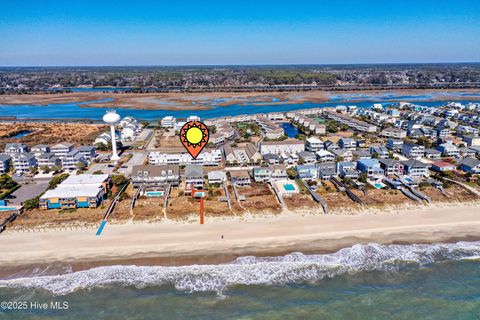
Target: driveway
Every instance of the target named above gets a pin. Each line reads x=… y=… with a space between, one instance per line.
x=137 y=158
x=100 y=167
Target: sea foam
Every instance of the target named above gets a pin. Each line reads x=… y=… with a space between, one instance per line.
x=291 y=268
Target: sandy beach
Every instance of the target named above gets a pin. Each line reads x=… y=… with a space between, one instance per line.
x=173 y=243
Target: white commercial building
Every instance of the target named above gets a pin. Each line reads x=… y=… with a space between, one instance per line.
x=279 y=147
x=168 y=122
x=207 y=158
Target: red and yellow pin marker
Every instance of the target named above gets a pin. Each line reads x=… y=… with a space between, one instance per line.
x=194 y=137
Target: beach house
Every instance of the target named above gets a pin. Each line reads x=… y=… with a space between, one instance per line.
x=442 y=166
x=240 y=178
x=11 y=148
x=347 y=143
x=168 y=122
x=411 y=150
x=48 y=160
x=325 y=156
x=261 y=174
x=371 y=167
x=217 y=177
x=347 y=169
x=39 y=149
x=193 y=178
x=448 y=149
x=88 y=152
x=23 y=162
x=471 y=165
x=307 y=172
x=5 y=163
x=326 y=170
x=471 y=140
x=432 y=154
x=415 y=168
x=379 y=152
x=104 y=138
x=72 y=160
x=61 y=150
x=314 y=144
x=307 y=157
x=155 y=176
x=394 y=144
x=395 y=133
x=391 y=167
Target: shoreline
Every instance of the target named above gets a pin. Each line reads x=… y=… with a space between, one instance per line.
x=173 y=244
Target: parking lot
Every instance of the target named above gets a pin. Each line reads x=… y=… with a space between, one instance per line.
x=29 y=189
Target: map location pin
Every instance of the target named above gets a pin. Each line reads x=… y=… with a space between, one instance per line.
x=194 y=137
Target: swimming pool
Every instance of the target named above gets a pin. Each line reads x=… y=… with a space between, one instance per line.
x=7 y=208
x=154 y=193
x=289 y=187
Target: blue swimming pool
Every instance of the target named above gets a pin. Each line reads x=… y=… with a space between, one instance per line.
x=289 y=187
x=154 y=193
x=7 y=208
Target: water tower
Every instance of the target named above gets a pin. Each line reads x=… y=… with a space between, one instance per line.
x=112 y=118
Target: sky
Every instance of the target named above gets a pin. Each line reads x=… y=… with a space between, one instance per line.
x=99 y=33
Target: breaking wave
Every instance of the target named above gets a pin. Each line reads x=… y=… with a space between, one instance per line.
x=291 y=268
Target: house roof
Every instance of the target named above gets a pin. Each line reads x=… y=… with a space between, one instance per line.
x=283 y=142
x=273 y=167
x=324 y=153
x=470 y=162
x=5 y=157
x=15 y=145
x=239 y=174
x=269 y=156
x=369 y=162
x=215 y=175
x=156 y=170
x=63 y=145
x=85 y=179
x=414 y=163
x=71 y=191
x=314 y=140
x=443 y=164
x=40 y=146
x=306 y=154
x=432 y=151
x=85 y=148
x=193 y=170
x=388 y=162
x=250 y=149
x=227 y=149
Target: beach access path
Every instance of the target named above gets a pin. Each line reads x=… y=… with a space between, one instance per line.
x=272 y=235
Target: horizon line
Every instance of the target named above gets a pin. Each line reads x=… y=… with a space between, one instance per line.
x=238 y=65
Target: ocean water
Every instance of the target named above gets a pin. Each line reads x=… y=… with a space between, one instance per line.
x=434 y=281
